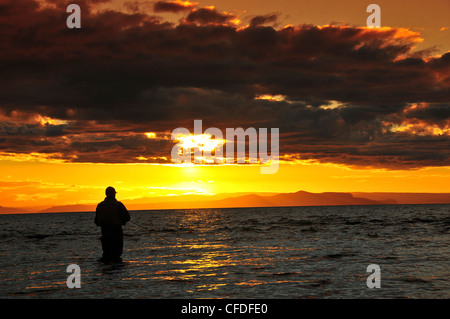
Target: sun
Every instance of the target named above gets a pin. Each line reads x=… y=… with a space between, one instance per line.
x=198 y=145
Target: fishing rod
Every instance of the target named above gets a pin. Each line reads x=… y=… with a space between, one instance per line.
x=149 y=231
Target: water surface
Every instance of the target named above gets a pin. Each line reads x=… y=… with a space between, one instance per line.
x=286 y=252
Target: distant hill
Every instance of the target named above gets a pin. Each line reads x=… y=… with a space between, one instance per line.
x=303 y=198
x=69 y=209
x=409 y=198
x=10 y=210
x=300 y=198
x=251 y=200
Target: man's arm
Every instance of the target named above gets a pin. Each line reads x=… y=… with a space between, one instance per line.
x=125 y=215
x=95 y=219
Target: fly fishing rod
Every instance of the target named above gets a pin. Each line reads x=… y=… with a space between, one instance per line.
x=140 y=226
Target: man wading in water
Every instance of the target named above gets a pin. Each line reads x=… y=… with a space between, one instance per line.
x=111 y=215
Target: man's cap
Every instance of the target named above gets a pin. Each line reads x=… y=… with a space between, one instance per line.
x=110 y=191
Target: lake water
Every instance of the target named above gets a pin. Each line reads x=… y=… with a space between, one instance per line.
x=284 y=252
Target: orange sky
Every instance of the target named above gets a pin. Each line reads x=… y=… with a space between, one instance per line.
x=31 y=179
x=39 y=183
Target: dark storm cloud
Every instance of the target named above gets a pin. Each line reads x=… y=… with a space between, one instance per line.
x=434 y=113
x=173 y=6
x=122 y=75
x=207 y=15
x=121 y=148
x=263 y=19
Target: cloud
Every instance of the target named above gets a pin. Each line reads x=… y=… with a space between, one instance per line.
x=263 y=19
x=209 y=15
x=103 y=86
x=174 y=6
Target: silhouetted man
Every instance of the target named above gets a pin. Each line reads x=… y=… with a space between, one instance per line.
x=110 y=216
